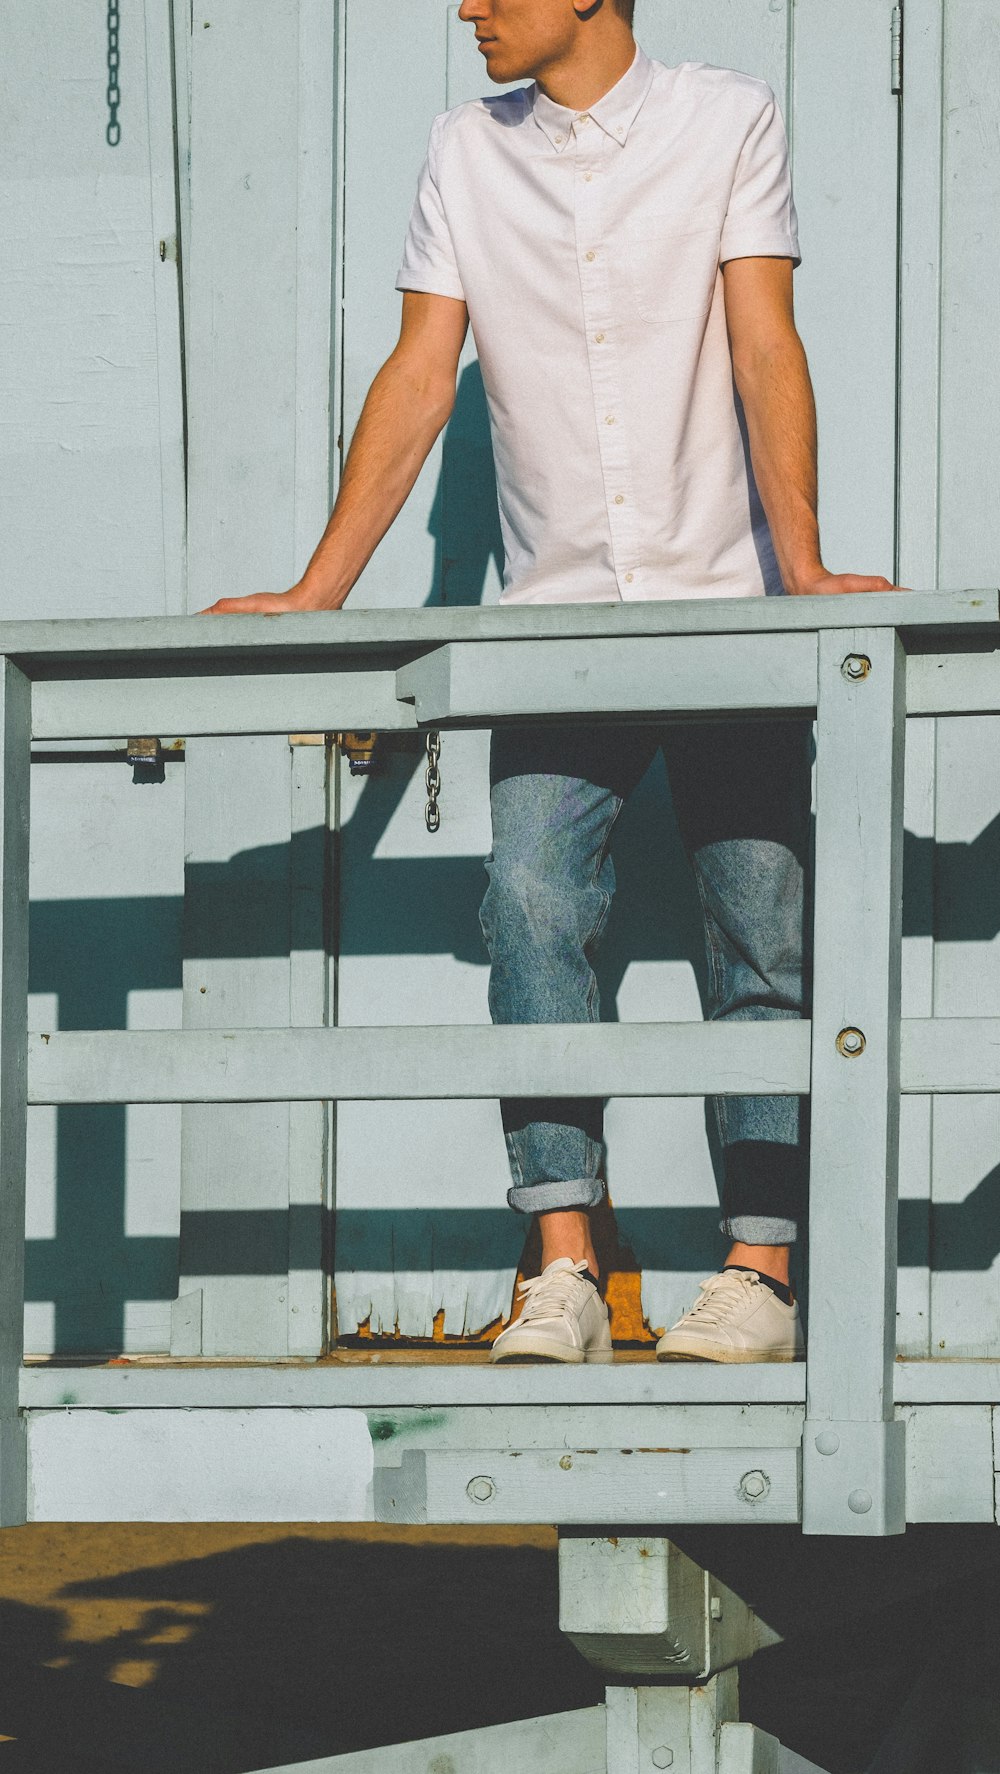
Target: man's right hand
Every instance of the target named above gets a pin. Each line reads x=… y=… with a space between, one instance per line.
x=271 y=603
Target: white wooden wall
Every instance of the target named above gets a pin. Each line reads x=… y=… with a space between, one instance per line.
x=298 y=144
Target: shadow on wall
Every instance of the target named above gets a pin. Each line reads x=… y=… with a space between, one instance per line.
x=238 y=1648
x=92 y=953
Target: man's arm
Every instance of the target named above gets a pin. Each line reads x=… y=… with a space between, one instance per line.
x=770 y=370
x=407 y=405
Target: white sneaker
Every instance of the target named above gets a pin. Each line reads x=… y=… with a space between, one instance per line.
x=737 y=1318
x=563 y=1319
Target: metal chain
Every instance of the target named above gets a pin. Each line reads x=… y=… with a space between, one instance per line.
x=432 y=777
x=113 y=133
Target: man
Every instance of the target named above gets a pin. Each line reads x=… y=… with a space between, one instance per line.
x=622 y=236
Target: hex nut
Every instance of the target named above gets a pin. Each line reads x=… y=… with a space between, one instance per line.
x=856 y=666
x=662 y=1757
x=753 y=1486
x=850 y=1043
x=481 y=1489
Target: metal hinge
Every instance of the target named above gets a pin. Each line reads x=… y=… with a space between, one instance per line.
x=897 y=49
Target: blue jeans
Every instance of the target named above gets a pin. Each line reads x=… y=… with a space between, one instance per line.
x=741 y=795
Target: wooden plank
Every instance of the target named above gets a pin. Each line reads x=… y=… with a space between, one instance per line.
x=306 y=702
x=677 y=676
x=959 y=1055
x=41 y=646
x=169 y=1465
x=577 y=1426
x=949 y=1463
x=953 y=683
x=752 y=36
x=386 y=1382
x=944 y=1381
x=309 y=1178
x=560 y=1743
x=15 y=727
x=206 y=1065
x=235 y=1160
x=852 y=1451
x=701 y=1485
x=919 y=384
x=844 y=129
x=93 y=422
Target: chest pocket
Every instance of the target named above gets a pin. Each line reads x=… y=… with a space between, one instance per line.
x=673 y=260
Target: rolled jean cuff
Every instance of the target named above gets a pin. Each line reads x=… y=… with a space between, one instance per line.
x=574 y=1194
x=753 y=1229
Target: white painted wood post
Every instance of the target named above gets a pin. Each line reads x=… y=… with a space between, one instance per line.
x=853 y=1472
x=15 y=764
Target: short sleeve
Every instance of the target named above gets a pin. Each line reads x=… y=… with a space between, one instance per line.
x=429 y=256
x=761 y=216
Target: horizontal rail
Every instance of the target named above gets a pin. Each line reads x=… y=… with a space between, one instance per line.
x=44 y=647
x=388 y=1381
x=303 y=1065
x=477 y=683
x=950 y=1055
x=262 y=702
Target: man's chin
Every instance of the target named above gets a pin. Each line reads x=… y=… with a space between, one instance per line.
x=502 y=72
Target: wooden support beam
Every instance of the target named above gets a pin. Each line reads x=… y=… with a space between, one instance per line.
x=15 y=754
x=303 y=1065
x=689 y=674
x=853 y=1474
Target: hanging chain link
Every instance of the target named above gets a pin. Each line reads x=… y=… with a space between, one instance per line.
x=432 y=777
x=113 y=133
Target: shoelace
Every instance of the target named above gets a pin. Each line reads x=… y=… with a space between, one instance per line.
x=720 y=1293
x=548 y=1296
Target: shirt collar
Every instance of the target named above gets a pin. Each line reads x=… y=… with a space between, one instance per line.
x=615 y=112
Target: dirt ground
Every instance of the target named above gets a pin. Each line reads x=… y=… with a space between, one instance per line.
x=225 y=1649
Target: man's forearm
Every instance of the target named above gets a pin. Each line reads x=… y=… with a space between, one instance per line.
x=781 y=421
x=399 y=422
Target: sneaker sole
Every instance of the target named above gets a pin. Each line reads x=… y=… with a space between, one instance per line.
x=713 y=1352
x=540 y=1351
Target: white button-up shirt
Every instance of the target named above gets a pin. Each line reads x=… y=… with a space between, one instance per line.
x=588 y=249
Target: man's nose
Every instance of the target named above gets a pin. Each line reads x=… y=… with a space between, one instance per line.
x=473 y=9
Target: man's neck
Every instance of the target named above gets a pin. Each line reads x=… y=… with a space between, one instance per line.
x=583 y=78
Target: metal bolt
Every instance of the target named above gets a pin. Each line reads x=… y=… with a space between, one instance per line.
x=850 y=1043
x=859 y=1502
x=566 y=1462
x=856 y=666
x=663 y=1757
x=827 y=1442
x=481 y=1489
x=753 y=1486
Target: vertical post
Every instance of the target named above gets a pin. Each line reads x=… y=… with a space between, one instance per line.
x=309 y=1202
x=853 y=1471
x=15 y=765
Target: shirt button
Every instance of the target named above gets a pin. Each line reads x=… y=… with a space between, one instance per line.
x=587 y=177
x=560 y=138
x=629 y=578
x=619 y=498
x=598 y=338
x=610 y=419
x=590 y=257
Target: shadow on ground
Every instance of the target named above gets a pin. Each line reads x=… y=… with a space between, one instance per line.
x=220 y=1650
